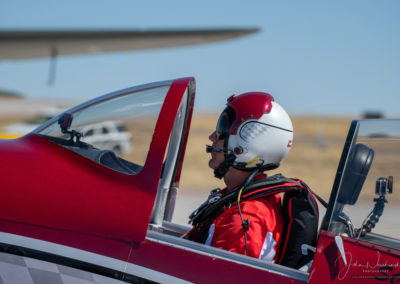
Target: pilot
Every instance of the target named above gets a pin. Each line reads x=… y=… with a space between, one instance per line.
x=253 y=135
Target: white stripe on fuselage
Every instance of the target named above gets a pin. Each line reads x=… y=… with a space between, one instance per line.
x=89 y=257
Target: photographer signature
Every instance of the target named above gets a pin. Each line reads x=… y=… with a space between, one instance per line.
x=382 y=267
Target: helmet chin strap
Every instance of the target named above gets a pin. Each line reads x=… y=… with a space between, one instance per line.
x=230 y=158
x=223 y=168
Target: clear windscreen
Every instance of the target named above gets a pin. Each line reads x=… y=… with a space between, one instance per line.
x=115 y=131
x=368 y=196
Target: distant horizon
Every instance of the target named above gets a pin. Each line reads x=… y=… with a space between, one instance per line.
x=6 y=94
x=27 y=107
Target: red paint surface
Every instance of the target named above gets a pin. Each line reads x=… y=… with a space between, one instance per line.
x=198 y=268
x=108 y=247
x=177 y=262
x=363 y=262
x=46 y=185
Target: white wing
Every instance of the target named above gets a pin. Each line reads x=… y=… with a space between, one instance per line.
x=36 y=44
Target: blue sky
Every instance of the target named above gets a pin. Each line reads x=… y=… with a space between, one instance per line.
x=314 y=57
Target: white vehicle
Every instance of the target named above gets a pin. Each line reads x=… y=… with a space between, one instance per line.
x=105 y=135
x=108 y=135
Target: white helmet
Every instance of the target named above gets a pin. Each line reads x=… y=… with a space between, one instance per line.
x=257 y=132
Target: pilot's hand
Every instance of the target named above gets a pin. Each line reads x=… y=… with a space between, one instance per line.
x=185 y=235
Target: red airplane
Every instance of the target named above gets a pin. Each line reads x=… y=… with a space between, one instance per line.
x=73 y=213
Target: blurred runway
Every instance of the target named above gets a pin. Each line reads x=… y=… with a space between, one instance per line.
x=27 y=107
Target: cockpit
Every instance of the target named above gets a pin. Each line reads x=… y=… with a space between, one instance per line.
x=118 y=132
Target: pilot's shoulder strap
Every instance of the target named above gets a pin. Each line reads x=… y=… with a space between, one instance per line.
x=284 y=183
x=261 y=188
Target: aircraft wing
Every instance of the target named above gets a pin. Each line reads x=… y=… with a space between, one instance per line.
x=37 y=44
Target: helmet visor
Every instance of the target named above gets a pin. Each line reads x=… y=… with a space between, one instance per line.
x=224 y=123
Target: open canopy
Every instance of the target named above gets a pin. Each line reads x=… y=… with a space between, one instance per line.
x=55 y=180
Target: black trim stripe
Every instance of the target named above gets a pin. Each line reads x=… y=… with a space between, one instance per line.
x=254 y=121
x=284 y=129
x=62 y=260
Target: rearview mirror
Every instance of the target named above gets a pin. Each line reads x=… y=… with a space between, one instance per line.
x=356 y=171
x=65 y=121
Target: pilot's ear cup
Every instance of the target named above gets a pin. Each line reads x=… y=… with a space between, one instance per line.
x=355 y=173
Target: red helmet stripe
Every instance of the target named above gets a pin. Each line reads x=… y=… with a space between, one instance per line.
x=250 y=105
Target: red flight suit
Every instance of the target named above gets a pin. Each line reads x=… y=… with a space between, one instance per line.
x=225 y=230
